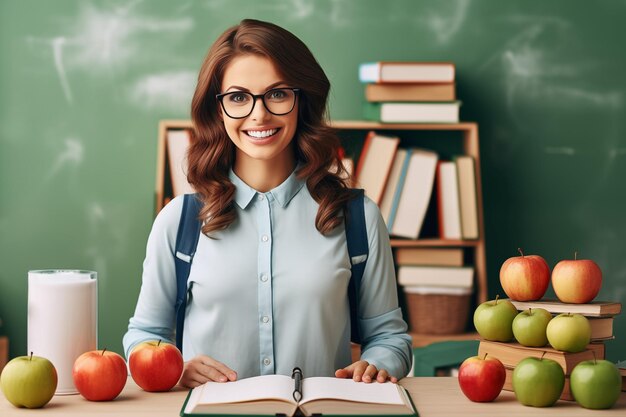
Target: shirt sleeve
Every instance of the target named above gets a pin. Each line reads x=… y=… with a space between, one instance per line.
x=385 y=342
x=154 y=316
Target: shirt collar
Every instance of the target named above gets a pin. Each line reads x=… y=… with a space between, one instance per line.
x=283 y=193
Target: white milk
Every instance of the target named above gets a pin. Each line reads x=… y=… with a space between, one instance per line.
x=62 y=319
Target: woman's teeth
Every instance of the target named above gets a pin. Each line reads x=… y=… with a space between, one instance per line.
x=261 y=133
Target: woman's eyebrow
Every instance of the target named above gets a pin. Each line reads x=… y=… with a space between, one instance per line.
x=239 y=88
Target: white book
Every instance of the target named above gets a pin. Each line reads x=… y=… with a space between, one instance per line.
x=421 y=289
x=448 y=200
x=178 y=142
x=436 y=276
x=415 y=195
x=444 y=112
x=407 y=72
x=271 y=394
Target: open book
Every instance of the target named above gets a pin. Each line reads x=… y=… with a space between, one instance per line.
x=277 y=394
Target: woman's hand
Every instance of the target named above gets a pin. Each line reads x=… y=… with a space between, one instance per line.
x=202 y=369
x=364 y=371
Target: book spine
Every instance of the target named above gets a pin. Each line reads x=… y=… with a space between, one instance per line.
x=366 y=145
x=398 y=192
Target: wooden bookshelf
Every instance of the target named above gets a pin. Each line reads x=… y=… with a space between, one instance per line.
x=4 y=351
x=470 y=146
x=421 y=340
x=467 y=132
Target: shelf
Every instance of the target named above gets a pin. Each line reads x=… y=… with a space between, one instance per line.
x=420 y=340
x=404 y=243
x=363 y=125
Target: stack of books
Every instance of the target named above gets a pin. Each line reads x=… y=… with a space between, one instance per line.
x=437 y=288
x=404 y=181
x=600 y=315
x=410 y=92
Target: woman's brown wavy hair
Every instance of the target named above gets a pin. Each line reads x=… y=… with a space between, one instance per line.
x=212 y=153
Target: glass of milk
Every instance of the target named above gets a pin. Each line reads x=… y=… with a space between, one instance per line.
x=62 y=319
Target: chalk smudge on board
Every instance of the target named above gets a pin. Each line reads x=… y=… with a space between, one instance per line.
x=530 y=74
x=295 y=9
x=446 y=26
x=57 y=49
x=616 y=152
x=99 y=41
x=567 y=151
x=96 y=221
x=72 y=154
x=166 y=91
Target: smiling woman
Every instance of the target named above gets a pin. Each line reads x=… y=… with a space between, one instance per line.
x=261 y=134
x=268 y=286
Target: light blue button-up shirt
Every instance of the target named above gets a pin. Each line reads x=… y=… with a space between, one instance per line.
x=270 y=292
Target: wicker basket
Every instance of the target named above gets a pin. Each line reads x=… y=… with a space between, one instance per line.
x=437 y=310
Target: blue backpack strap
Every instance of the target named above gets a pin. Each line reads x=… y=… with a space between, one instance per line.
x=186 y=243
x=358 y=250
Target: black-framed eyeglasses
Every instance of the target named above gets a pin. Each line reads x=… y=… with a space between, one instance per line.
x=239 y=104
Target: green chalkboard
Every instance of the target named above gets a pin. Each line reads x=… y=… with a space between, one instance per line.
x=83 y=86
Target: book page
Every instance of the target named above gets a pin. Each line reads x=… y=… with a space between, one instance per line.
x=317 y=388
x=249 y=389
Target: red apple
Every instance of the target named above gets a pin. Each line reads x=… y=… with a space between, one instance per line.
x=481 y=379
x=99 y=375
x=156 y=366
x=576 y=281
x=525 y=278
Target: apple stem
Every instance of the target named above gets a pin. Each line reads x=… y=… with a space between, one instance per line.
x=543 y=354
x=497 y=296
x=530 y=311
x=159 y=344
x=575 y=254
x=31 y=356
x=595 y=361
x=485 y=357
x=520 y=251
x=104 y=350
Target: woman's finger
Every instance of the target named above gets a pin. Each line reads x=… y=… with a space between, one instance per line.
x=370 y=373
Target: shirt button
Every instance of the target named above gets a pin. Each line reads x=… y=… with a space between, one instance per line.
x=265 y=319
x=264 y=278
x=261 y=197
x=267 y=361
x=265 y=238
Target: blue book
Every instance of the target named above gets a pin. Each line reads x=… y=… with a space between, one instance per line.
x=398 y=189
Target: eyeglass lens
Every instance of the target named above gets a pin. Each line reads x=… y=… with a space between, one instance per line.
x=278 y=101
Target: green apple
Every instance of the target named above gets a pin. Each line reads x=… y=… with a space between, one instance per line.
x=596 y=384
x=529 y=327
x=569 y=332
x=538 y=382
x=493 y=320
x=29 y=381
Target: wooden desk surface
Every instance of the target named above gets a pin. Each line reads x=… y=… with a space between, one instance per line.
x=432 y=396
